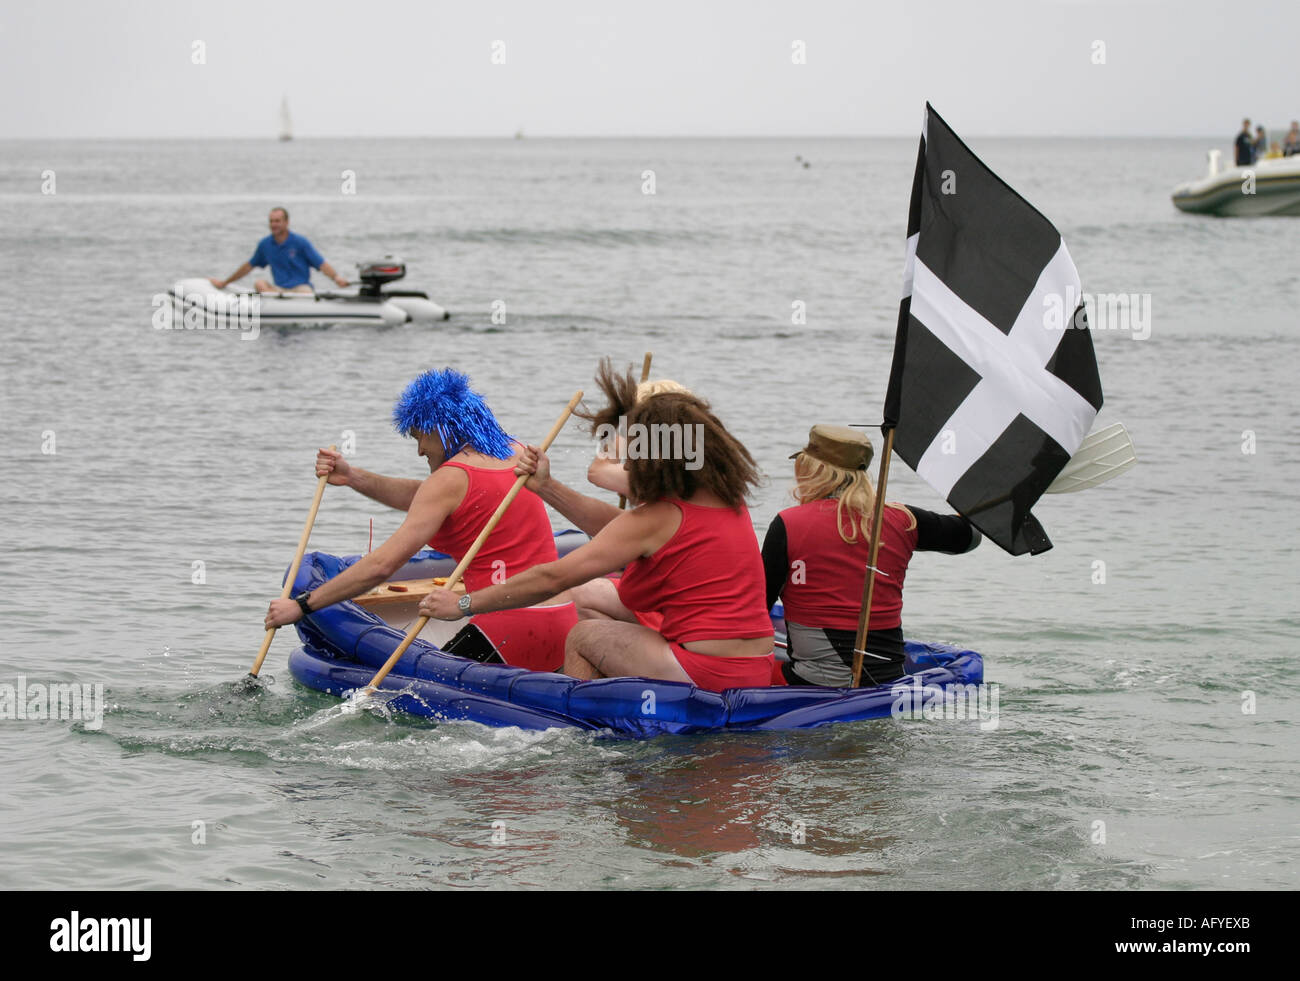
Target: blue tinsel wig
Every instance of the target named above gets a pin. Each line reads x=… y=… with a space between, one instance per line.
x=442 y=402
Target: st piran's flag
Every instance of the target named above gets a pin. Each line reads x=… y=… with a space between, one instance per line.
x=990 y=393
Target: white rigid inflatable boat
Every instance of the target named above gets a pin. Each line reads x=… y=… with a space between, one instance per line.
x=372 y=302
x=1266 y=187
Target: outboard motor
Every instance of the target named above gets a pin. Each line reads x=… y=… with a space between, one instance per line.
x=374 y=275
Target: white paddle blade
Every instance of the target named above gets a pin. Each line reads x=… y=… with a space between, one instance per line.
x=1102 y=455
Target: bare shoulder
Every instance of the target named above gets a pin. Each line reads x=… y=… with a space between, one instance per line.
x=651 y=524
x=655 y=513
x=445 y=487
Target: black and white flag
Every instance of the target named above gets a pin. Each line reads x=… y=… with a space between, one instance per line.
x=992 y=387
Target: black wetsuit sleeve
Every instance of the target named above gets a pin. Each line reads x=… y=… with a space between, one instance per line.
x=949 y=533
x=776 y=560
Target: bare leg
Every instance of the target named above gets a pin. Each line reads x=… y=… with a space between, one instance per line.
x=262 y=286
x=613 y=649
x=598 y=600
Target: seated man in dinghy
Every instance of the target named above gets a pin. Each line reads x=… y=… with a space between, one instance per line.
x=690 y=602
x=290 y=256
x=472 y=466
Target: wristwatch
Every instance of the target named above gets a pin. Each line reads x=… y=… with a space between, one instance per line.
x=301 y=600
x=462 y=604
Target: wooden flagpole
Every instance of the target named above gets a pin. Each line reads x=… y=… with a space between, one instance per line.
x=877 y=517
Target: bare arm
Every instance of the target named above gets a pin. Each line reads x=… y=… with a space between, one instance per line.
x=242 y=271
x=328 y=270
x=437 y=497
x=588 y=513
x=632 y=534
x=393 y=492
x=608 y=474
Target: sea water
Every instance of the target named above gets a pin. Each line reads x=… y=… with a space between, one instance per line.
x=155 y=483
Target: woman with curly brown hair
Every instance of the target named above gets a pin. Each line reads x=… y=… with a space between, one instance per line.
x=690 y=602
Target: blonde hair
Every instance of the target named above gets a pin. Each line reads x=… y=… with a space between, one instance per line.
x=727 y=469
x=817 y=480
x=660 y=386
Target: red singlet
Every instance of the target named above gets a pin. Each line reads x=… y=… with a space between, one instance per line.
x=521 y=540
x=533 y=637
x=824 y=585
x=707 y=582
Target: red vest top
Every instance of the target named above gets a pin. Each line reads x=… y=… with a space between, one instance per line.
x=521 y=540
x=707 y=580
x=824 y=585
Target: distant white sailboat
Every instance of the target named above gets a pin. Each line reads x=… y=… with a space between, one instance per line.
x=286 y=127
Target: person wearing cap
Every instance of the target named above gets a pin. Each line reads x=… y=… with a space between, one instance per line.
x=471 y=469
x=816 y=554
x=690 y=600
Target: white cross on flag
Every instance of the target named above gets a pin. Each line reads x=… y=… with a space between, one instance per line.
x=991 y=390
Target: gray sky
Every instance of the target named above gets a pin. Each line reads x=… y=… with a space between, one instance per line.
x=678 y=67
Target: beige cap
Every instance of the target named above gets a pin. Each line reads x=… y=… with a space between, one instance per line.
x=839 y=446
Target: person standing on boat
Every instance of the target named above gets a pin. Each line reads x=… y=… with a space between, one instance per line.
x=691 y=595
x=1292 y=144
x=290 y=256
x=1244 y=146
x=472 y=467
x=816 y=555
x=1260 y=148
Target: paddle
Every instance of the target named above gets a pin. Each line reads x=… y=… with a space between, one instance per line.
x=645 y=376
x=1102 y=455
x=471 y=552
x=293 y=569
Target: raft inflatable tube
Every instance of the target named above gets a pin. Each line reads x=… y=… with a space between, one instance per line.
x=197 y=304
x=343 y=645
x=1268 y=187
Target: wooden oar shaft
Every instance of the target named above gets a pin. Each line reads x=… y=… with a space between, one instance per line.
x=297 y=562
x=645 y=377
x=869 y=586
x=473 y=550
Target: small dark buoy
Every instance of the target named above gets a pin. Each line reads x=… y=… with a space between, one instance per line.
x=806 y=165
x=798 y=156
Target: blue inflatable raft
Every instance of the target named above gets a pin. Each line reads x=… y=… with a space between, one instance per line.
x=343 y=645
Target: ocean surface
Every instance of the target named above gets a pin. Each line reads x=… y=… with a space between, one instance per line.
x=1147 y=735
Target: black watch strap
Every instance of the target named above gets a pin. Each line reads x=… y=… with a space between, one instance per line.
x=301 y=600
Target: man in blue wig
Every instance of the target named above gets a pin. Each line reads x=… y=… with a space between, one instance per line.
x=471 y=468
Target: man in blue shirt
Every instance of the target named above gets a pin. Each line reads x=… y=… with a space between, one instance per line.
x=290 y=256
